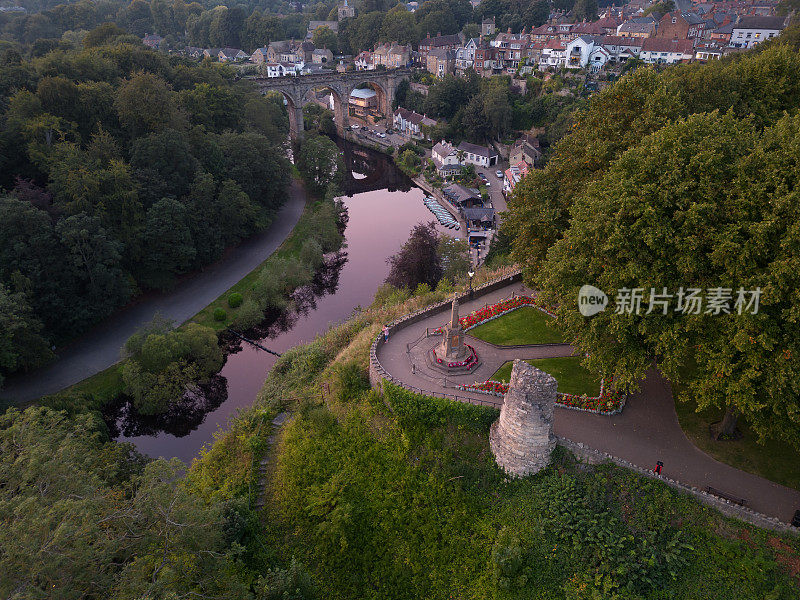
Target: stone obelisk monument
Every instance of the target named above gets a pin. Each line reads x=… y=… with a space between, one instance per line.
x=522 y=438
x=452 y=347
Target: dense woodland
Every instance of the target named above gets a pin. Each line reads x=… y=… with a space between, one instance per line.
x=688 y=178
x=250 y=25
x=123 y=169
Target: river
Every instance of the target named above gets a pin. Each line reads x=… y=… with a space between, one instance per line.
x=383 y=206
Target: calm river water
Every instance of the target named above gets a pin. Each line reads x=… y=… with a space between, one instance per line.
x=383 y=206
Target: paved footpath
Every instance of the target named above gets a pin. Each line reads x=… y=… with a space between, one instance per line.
x=647 y=430
x=101 y=347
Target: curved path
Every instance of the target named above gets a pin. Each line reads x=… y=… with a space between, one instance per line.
x=647 y=430
x=100 y=347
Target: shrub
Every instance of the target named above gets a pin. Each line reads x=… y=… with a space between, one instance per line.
x=250 y=314
x=351 y=381
x=411 y=408
x=235 y=300
x=220 y=314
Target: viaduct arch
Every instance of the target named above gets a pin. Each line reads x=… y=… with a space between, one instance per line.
x=297 y=90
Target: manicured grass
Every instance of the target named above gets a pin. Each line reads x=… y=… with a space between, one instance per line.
x=526 y=325
x=572 y=377
x=774 y=460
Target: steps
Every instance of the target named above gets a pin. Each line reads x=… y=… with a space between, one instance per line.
x=265 y=463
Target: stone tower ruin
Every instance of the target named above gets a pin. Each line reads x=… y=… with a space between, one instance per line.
x=522 y=438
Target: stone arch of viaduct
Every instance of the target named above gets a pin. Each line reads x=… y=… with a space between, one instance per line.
x=297 y=91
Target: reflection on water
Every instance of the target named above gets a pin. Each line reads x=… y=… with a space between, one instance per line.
x=379 y=223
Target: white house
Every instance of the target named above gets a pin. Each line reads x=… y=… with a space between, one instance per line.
x=579 y=50
x=480 y=156
x=512 y=175
x=621 y=48
x=664 y=51
x=598 y=58
x=445 y=157
x=749 y=31
x=272 y=69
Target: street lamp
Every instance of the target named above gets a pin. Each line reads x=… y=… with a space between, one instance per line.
x=471 y=275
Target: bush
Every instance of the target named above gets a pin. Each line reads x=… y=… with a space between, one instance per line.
x=220 y=314
x=235 y=300
x=250 y=314
x=411 y=408
x=351 y=381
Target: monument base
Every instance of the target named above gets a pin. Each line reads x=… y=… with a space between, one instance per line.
x=455 y=366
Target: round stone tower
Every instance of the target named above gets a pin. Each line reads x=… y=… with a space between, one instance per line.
x=522 y=438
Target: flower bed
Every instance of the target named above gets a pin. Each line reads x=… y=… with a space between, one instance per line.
x=609 y=402
x=470 y=362
x=503 y=307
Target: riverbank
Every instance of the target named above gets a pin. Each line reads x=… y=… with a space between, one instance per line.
x=91 y=361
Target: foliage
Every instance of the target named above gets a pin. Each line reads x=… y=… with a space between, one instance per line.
x=319 y=162
x=644 y=207
x=128 y=167
x=235 y=300
x=220 y=314
x=91 y=518
x=430 y=411
x=418 y=261
x=163 y=361
x=454 y=256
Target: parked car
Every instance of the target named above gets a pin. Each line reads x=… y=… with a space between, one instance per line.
x=353 y=127
x=499 y=174
x=381 y=135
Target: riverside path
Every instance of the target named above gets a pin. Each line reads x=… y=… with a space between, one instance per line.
x=101 y=346
x=646 y=431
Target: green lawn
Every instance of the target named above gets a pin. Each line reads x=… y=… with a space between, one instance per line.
x=526 y=325
x=572 y=377
x=774 y=460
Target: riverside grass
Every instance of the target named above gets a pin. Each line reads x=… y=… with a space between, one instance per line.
x=379 y=506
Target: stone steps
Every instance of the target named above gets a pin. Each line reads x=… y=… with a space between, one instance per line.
x=265 y=463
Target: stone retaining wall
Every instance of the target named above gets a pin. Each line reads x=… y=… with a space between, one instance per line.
x=592 y=456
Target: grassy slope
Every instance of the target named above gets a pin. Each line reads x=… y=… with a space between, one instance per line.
x=526 y=325
x=572 y=377
x=378 y=507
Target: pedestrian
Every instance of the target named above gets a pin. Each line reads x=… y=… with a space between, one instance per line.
x=657 y=470
x=385 y=333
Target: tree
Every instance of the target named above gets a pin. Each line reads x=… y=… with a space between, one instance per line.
x=399 y=26
x=659 y=216
x=264 y=180
x=22 y=345
x=418 y=261
x=163 y=361
x=167 y=244
x=93 y=518
x=454 y=257
x=585 y=9
x=324 y=37
x=166 y=159
x=145 y=104
x=319 y=162
x=95 y=258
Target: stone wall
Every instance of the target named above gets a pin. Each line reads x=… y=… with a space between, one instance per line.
x=522 y=438
x=594 y=457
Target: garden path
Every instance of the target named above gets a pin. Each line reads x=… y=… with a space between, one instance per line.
x=647 y=430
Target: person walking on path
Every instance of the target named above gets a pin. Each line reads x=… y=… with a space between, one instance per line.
x=385 y=333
